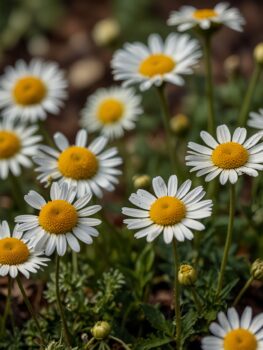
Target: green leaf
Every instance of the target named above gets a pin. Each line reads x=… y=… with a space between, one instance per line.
x=156 y=319
x=152 y=342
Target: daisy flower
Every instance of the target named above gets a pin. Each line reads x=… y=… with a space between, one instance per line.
x=171 y=210
x=188 y=17
x=235 y=333
x=87 y=168
x=30 y=91
x=59 y=221
x=111 y=111
x=228 y=156
x=256 y=120
x=17 y=254
x=17 y=144
x=160 y=61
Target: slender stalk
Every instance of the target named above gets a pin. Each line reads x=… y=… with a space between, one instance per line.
x=209 y=84
x=75 y=262
x=60 y=307
x=7 y=306
x=243 y=115
x=228 y=239
x=16 y=190
x=196 y=299
x=89 y=343
x=125 y=346
x=177 y=297
x=243 y=290
x=30 y=309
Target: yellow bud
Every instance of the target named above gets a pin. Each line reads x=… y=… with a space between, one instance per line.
x=106 y=31
x=101 y=330
x=141 y=181
x=180 y=124
x=258 y=53
x=187 y=275
x=232 y=65
x=257 y=269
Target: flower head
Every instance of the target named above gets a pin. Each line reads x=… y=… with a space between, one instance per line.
x=17 y=144
x=171 y=210
x=87 y=168
x=160 y=61
x=235 y=333
x=257 y=269
x=111 y=111
x=189 y=17
x=60 y=221
x=17 y=253
x=228 y=156
x=30 y=91
x=187 y=275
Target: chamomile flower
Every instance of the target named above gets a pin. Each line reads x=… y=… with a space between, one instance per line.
x=171 y=210
x=256 y=120
x=87 y=168
x=111 y=111
x=188 y=17
x=17 y=254
x=60 y=221
x=160 y=61
x=17 y=145
x=30 y=91
x=235 y=333
x=228 y=156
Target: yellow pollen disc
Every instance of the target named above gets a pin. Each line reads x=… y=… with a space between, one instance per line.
x=110 y=111
x=204 y=14
x=13 y=251
x=78 y=163
x=29 y=91
x=58 y=217
x=157 y=64
x=167 y=211
x=240 y=339
x=9 y=144
x=229 y=155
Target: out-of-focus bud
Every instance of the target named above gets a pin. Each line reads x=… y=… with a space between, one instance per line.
x=101 y=330
x=180 y=124
x=258 y=53
x=106 y=32
x=257 y=270
x=232 y=65
x=187 y=275
x=141 y=181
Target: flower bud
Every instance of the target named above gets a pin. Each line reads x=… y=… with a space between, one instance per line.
x=257 y=270
x=187 y=275
x=101 y=330
x=106 y=32
x=258 y=53
x=180 y=124
x=141 y=181
x=232 y=65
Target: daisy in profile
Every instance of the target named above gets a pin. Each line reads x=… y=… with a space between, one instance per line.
x=228 y=156
x=171 y=210
x=158 y=62
x=87 y=168
x=18 y=143
x=60 y=221
x=30 y=91
x=235 y=333
x=111 y=111
x=256 y=120
x=189 y=17
x=17 y=254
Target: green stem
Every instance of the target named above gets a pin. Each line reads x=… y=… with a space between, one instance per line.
x=177 y=297
x=89 y=343
x=60 y=307
x=243 y=290
x=196 y=299
x=17 y=192
x=125 y=346
x=30 y=309
x=209 y=84
x=243 y=115
x=7 y=306
x=75 y=262
x=228 y=239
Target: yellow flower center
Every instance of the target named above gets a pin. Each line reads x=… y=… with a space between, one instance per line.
x=204 y=14
x=240 y=339
x=78 y=163
x=13 y=251
x=156 y=64
x=9 y=144
x=229 y=155
x=110 y=111
x=29 y=91
x=58 y=217
x=167 y=211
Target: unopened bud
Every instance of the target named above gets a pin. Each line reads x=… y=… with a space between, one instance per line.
x=106 y=32
x=180 y=124
x=101 y=330
x=257 y=270
x=232 y=65
x=141 y=181
x=258 y=53
x=187 y=275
